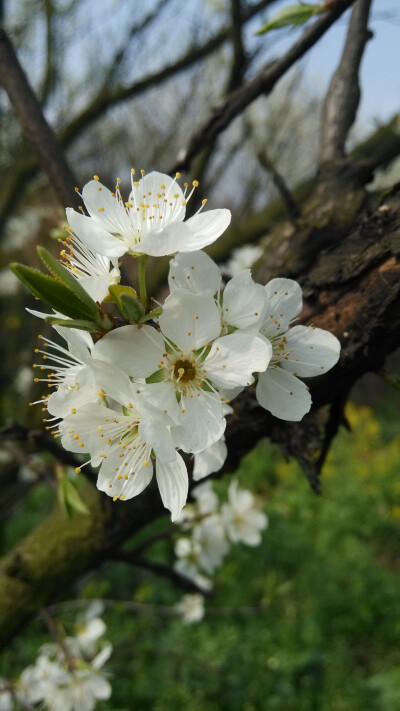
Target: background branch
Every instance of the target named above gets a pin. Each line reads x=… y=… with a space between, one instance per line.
x=34 y=125
x=263 y=83
x=343 y=95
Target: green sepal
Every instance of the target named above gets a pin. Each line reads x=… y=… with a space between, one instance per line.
x=152 y=314
x=63 y=274
x=157 y=377
x=116 y=291
x=69 y=498
x=131 y=308
x=80 y=324
x=53 y=292
x=294 y=15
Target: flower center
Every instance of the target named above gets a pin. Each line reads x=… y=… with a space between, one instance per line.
x=184 y=371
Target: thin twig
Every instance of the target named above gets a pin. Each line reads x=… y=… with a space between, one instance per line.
x=52 y=626
x=43 y=441
x=263 y=83
x=292 y=208
x=161 y=569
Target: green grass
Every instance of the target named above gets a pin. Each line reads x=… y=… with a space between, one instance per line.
x=324 y=633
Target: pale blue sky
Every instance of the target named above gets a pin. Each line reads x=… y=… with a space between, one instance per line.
x=380 y=76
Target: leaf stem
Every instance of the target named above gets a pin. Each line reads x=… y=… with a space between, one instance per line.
x=142 y=280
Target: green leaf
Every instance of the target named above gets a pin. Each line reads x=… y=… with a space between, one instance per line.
x=52 y=292
x=69 y=498
x=293 y=15
x=63 y=274
x=131 y=308
x=75 y=323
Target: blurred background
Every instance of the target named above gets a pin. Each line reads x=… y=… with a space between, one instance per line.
x=309 y=620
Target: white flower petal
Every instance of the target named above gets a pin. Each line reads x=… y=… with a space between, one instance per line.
x=313 y=351
x=160 y=400
x=206 y=227
x=171 y=238
x=210 y=460
x=233 y=359
x=282 y=394
x=112 y=381
x=96 y=286
x=128 y=488
x=284 y=303
x=173 y=483
x=202 y=423
x=95 y=237
x=105 y=209
x=155 y=183
x=190 y=320
x=244 y=302
x=158 y=437
x=196 y=272
x=80 y=343
x=135 y=349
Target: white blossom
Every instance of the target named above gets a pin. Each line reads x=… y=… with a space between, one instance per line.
x=210 y=460
x=191 y=608
x=242 y=258
x=123 y=440
x=242 y=519
x=188 y=553
x=190 y=362
x=206 y=499
x=94 y=272
x=150 y=222
x=243 y=303
x=300 y=351
x=70 y=372
x=210 y=536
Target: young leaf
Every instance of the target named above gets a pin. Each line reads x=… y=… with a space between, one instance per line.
x=75 y=323
x=53 y=293
x=293 y=15
x=69 y=498
x=62 y=274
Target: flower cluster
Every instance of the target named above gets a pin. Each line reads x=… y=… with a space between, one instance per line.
x=134 y=392
x=66 y=675
x=213 y=529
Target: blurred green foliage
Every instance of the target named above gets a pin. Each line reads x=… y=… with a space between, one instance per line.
x=309 y=621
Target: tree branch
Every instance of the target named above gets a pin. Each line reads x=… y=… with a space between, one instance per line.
x=34 y=125
x=343 y=95
x=263 y=83
x=107 y=98
x=292 y=209
x=163 y=570
x=41 y=440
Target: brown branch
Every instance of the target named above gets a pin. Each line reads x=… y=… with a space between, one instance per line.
x=161 y=569
x=343 y=95
x=53 y=628
x=263 y=83
x=292 y=208
x=41 y=440
x=107 y=98
x=34 y=126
